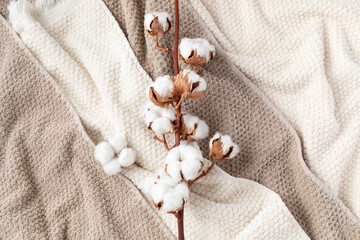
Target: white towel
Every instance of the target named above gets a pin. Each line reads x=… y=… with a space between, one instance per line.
x=305 y=56
x=89 y=57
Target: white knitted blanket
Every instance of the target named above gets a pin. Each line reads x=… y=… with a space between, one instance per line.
x=87 y=54
x=305 y=56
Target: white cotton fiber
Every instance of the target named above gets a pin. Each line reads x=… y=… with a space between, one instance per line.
x=190 y=152
x=162 y=17
x=227 y=143
x=201 y=46
x=168 y=181
x=158 y=191
x=127 y=157
x=190 y=168
x=151 y=115
x=104 y=152
x=112 y=167
x=216 y=136
x=173 y=169
x=164 y=86
x=172 y=201
x=193 y=78
x=118 y=144
x=21 y=15
x=173 y=155
x=202 y=130
x=183 y=189
x=161 y=126
x=149 y=17
x=168 y=113
x=184 y=158
x=149 y=183
x=159 y=119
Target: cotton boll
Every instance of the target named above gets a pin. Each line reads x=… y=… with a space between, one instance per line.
x=202 y=130
x=149 y=17
x=163 y=17
x=190 y=152
x=185 y=47
x=173 y=169
x=183 y=189
x=158 y=191
x=192 y=122
x=194 y=78
x=172 y=201
x=201 y=46
x=190 y=168
x=173 y=155
x=149 y=183
x=193 y=144
x=168 y=181
x=191 y=161
x=227 y=143
x=190 y=84
x=159 y=119
x=112 y=167
x=161 y=126
x=104 y=152
x=222 y=147
x=127 y=157
x=168 y=113
x=118 y=144
x=151 y=115
x=216 y=136
x=186 y=158
x=164 y=86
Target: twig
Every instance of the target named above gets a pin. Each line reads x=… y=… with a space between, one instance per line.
x=198 y=70
x=177 y=107
x=202 y=174
x=162 y=141
x=179 y=213
x=162 y=48
x=180 y=218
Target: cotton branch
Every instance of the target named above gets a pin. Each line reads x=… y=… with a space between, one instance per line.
x=184 y=163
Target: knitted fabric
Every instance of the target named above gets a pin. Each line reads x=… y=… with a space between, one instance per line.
x=51 y=186
x=84 y=49
x=270 y=149
x=304 y=56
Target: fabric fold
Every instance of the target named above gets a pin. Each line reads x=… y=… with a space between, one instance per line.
x=50 y=187
x=87 y=46
x=270 y=148
x=308 y=66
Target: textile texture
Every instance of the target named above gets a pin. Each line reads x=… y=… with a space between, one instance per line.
x=51 y=186
x=304 y=56
x=101 y=77
x=112 y=207
x=271 y=151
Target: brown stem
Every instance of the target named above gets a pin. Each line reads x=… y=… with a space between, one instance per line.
x=162 y=141
x=162 y=48
x=178 y=105
x=176 y=39
x=180 y=219
x=202 y=174
x=198 y=70
x=180 y=215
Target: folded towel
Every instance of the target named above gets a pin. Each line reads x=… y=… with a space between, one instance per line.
x=304 y=56
x=50 y=186
x=89 y=57
x=270 y=149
